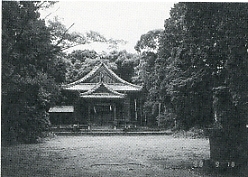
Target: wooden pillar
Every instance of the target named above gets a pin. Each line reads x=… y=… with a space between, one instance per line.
x=122 y=113
x=115 y=119
x=128 y=109
x=76 y=113
x=135 y=111
x=140 y=113
x=89 y=124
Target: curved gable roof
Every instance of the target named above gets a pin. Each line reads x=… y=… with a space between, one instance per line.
x=102 y=90
x=82 y=84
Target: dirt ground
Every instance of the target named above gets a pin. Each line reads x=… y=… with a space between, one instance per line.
x=106 y=156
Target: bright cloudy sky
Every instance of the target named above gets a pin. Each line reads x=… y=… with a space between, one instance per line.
x=126 y=20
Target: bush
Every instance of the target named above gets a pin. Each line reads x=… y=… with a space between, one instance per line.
x=194 y=132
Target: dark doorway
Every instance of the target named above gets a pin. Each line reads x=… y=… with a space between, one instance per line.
x=102 y=115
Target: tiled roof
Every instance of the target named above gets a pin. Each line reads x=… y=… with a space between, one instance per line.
x=83 y=84
x=102 y=96
x=89 y=86
x=102 y=90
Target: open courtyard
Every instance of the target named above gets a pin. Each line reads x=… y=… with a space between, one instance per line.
x=104 y=156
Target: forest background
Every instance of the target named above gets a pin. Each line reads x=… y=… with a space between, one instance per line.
x=202 y=48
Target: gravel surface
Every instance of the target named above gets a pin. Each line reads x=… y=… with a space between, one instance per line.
x=105 y=156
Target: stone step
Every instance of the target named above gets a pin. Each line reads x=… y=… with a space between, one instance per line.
x=101 y=130
x=110 y=133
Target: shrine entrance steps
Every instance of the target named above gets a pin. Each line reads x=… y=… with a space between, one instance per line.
x=109 y=131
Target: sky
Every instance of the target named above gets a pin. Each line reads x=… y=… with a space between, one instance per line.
x=126 y=20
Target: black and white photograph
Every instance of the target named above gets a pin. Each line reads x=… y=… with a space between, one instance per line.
x=124 y=89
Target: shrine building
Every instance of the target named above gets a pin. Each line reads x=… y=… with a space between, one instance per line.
x=100 y=99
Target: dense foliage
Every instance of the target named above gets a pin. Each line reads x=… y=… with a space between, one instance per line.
x=203 y=46
x=81 y=62
x=29 y=77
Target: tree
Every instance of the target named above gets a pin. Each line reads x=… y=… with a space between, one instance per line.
x=61 y=37
x=225 y=42
x=82 y=62
x=28 y=77
x=149 y=42
x=183 y=86
x=225 y=49
x=196 y=53
x=147 y=47
x=125 y=65
x=201 y=70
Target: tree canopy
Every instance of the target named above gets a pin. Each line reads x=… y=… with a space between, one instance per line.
x=203 y=46
x=28 y=77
